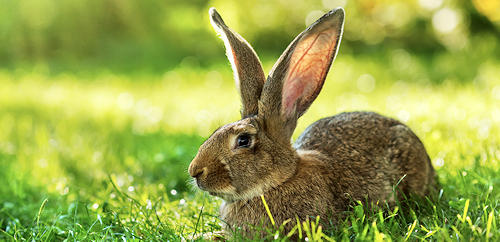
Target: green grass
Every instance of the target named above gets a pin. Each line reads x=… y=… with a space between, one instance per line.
x=105 y=156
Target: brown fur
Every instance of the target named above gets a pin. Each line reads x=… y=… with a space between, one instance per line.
x=350 y=156
x=247 y=69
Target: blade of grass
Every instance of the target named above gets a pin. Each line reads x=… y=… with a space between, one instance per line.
x=412 y=227
x=40 y=211
x=488 y=225
x=197 y=222
x=267 y=210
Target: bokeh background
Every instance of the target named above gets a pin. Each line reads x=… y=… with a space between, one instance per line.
x=101 y=99
x=157 y=36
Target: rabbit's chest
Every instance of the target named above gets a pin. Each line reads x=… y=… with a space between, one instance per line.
x=302 y=200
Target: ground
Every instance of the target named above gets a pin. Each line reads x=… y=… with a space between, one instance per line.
x=100 y=155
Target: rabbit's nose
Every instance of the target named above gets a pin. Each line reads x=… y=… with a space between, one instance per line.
x=196 y=172
x=199 y=173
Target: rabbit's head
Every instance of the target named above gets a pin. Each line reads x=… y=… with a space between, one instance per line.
x=242 y=159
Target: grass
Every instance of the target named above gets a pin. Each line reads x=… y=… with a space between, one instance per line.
x=105 y=156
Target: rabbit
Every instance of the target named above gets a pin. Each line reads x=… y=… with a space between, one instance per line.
x=352 y=156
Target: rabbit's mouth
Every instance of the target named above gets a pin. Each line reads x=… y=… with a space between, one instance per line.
x=215 y=185
x=199 y=184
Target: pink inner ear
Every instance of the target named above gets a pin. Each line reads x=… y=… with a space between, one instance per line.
x=309 y=64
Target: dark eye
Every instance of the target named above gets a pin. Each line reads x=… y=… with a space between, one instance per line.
x=243 y=141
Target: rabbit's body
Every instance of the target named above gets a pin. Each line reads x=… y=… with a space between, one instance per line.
x=337 y=160
x=378 y=149
x=340 y=159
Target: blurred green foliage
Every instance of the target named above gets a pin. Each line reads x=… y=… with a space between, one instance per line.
x=153 y=35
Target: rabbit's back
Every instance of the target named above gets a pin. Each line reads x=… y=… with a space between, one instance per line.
x=370 y=153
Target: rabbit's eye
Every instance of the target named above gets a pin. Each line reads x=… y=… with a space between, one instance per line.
x=243 y=141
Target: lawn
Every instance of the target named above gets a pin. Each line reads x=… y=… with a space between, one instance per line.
x=104 y=155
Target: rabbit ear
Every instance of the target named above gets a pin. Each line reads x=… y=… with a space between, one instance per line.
x=298 y=76
x=248 y=72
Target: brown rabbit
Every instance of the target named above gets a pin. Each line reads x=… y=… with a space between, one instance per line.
x=346 y=157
